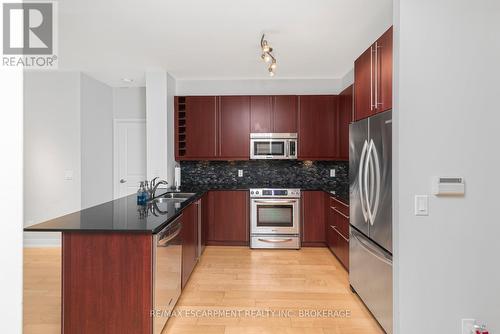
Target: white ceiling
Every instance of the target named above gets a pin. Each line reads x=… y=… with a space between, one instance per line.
x=216 y=39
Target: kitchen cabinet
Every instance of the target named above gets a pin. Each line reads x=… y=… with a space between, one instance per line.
x=285 y=113
x=261 y=114
x=234 y=127
x=228 y=218
x=201 y=127
x=345 y=111
x=276 y=114
x=313 y=218
x=189 y=240
x=373 y=78
x=337 y=230
x=318 y=128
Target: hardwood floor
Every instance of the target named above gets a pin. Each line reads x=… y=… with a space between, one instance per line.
x=234 y=279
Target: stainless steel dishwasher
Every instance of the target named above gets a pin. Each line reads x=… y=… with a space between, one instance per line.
x=167 y=264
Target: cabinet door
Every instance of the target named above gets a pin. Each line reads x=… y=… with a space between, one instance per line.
x=261 y=114
x=317 y=127
x=344 y=119
x=189 y=241
x=234 y=127
x=201 y=127
x=363 y=85
x=285 y=113
x=228 y=224
x=313 y=218
x=384 y=71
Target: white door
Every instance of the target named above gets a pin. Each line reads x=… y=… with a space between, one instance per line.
x=129 y=155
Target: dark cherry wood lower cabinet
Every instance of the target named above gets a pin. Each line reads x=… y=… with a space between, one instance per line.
x=313 y=218
x=189 y=240
x=100 y=295
x=337 y=230
x=228 y=218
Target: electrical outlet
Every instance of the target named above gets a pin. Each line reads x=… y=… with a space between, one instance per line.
x=240 y=172
x=332 y=172
x=468 y=326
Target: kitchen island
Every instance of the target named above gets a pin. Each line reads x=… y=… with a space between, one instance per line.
x=113 y=273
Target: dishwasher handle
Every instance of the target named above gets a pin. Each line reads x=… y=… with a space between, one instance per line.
x=166 y=237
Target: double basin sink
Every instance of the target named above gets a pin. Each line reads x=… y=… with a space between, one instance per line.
x=172 y=197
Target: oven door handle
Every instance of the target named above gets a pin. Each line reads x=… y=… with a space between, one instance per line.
x=275 y=201
x=275 y=241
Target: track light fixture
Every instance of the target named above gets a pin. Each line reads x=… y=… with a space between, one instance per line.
x=267 y=55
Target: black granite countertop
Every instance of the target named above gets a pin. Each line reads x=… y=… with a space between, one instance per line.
x=124 y=215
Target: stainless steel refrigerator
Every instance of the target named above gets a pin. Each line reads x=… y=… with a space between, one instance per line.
x=370 y=246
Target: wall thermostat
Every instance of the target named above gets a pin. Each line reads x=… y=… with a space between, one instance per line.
x=449 y=186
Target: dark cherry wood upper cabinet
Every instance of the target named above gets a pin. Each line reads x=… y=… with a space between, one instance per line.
x=261 y=114
x=285 y=113
x=201 y=127
x=234 y=127
x=313 y=218
x=189 y=241
x=384 y=74
x=373 y=78
x=344 y=118
x=363 y=85
x=318 y=127
x=228 y=218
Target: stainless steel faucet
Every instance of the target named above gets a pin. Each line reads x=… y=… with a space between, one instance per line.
x=153 y=185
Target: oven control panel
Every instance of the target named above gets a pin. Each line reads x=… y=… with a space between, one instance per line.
x=280 y=193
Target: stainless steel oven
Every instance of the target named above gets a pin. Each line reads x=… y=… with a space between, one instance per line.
x=273 y=146
x=275 y=218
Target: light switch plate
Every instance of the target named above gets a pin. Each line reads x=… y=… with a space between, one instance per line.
x=68 y=175
x=421 y=205
x=240 y=172
x=332 y=172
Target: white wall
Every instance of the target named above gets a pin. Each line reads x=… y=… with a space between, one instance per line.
x=51 y=147
x=11 y=201
x=129 y=102
x=447 y=123
x=159 y=102
x=348 y=79
x=96 y=142
x=171 y=92
x=259 y=87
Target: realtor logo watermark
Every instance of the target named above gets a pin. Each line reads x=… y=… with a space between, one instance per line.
x=29 y=30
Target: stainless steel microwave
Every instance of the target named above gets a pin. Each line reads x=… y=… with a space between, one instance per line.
x=273 y=146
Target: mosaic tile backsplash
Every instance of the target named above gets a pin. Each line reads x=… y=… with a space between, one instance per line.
x=267 y=173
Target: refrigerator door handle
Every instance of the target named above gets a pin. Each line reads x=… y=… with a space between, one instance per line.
x=377 y=183
x=361 y=180
x=365 y=178
x=367 y=247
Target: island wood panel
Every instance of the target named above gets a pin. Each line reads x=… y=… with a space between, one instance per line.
x=106 y=283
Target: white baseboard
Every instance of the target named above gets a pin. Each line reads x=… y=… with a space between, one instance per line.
x=42 y=239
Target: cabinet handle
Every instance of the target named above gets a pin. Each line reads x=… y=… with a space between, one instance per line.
x=274 y=241
x=377 y=80
x=336 y=230
x=371 y=78
x=337 y=211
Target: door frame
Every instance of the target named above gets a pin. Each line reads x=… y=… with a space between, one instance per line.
x=116 y=123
